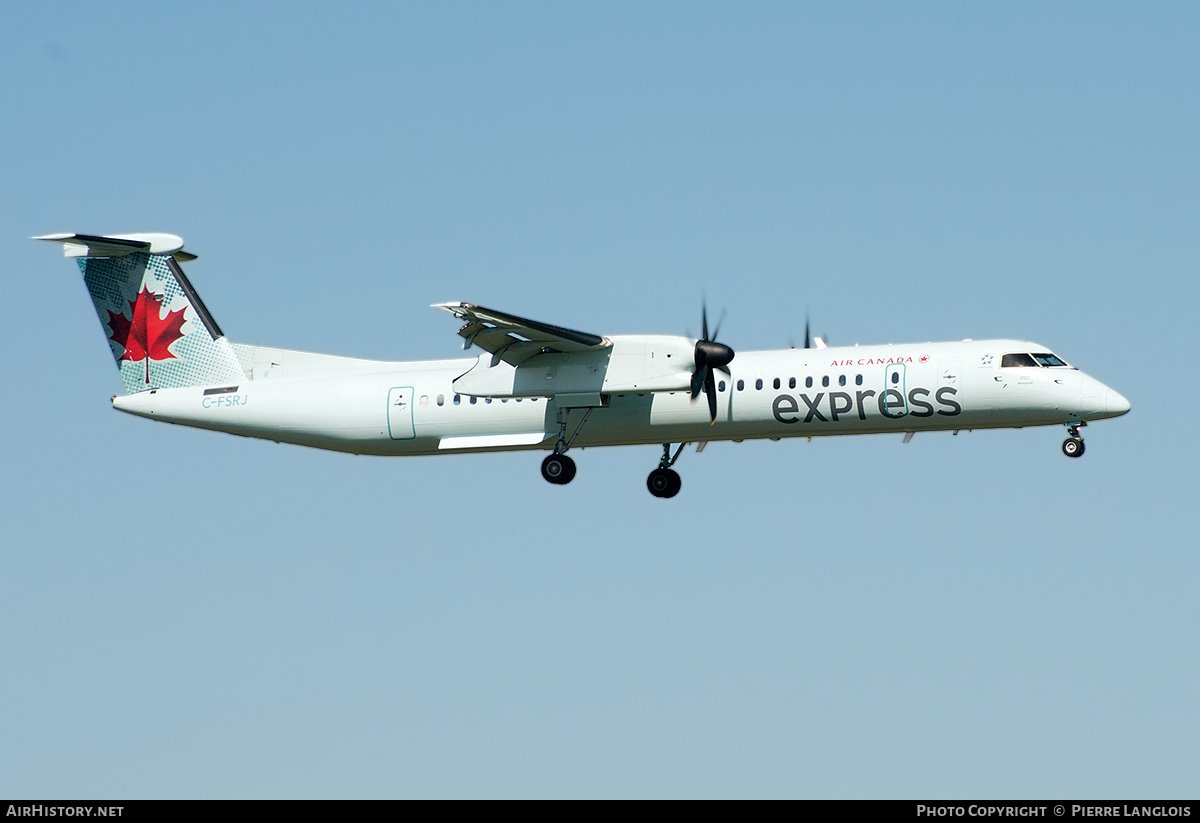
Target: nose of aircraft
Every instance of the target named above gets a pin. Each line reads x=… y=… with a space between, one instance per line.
x=1097 y=401
x=1115 y=403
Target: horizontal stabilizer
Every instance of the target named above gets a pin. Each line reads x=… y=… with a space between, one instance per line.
x=117 y=245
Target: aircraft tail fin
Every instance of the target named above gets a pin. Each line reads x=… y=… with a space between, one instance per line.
x=160 y=332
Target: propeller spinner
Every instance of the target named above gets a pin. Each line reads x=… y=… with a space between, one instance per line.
x=710 y=356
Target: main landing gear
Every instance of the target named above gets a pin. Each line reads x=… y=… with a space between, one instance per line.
x=1073 y=445
x=558 y=468
x=664 y=481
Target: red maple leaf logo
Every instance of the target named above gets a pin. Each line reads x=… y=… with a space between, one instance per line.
x=148 y=335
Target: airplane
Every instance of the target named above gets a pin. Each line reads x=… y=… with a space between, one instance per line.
x=537 y=386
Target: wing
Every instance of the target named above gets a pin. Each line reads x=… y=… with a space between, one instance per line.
x=514 y=339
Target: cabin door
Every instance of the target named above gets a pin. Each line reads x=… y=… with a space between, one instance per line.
x=400 y=413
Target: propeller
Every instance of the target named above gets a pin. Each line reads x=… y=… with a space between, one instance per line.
x=710 y=356
x=822 y=342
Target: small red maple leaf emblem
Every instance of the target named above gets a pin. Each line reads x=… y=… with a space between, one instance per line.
x=924 y=358
x=148 y=335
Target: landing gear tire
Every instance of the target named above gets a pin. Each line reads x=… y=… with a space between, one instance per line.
x=1073 y=447
x=558 y=469
x=664 y=483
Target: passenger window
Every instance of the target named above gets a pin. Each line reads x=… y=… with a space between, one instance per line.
x=457 y=400
x=721 y=386
x=1021 y=360
x=424 y=400
x=808 y=382
x=741 y=385
x=895 y=378
x=487 y=400
x=841 y=379
x=791 y=382
x=825 y=381
x=758 y=384
x=858 y=379
x=776 y=384
x=474 y=400
x=441 y=399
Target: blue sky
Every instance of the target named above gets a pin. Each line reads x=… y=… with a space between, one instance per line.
x=186 y=614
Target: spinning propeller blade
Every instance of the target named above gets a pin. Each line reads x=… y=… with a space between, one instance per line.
x=710 y=355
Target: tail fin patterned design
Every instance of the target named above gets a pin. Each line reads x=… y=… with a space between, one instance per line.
x=160 y=333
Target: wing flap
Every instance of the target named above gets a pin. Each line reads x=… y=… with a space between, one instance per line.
x=515 y=339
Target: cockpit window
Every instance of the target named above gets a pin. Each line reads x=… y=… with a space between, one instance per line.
x=1047 y=359
x=1009 y=361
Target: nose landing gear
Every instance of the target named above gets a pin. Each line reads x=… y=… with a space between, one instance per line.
x=1073 y=445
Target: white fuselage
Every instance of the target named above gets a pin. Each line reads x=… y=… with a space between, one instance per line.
x=410 y=408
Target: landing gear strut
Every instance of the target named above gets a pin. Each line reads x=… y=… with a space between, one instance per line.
x=558 y=468
x=1073 y=445
x=664 y=481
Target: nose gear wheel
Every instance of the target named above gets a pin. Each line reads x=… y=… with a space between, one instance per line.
x=1073 y=447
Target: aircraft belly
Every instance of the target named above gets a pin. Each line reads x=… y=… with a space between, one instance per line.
x=350 y=414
